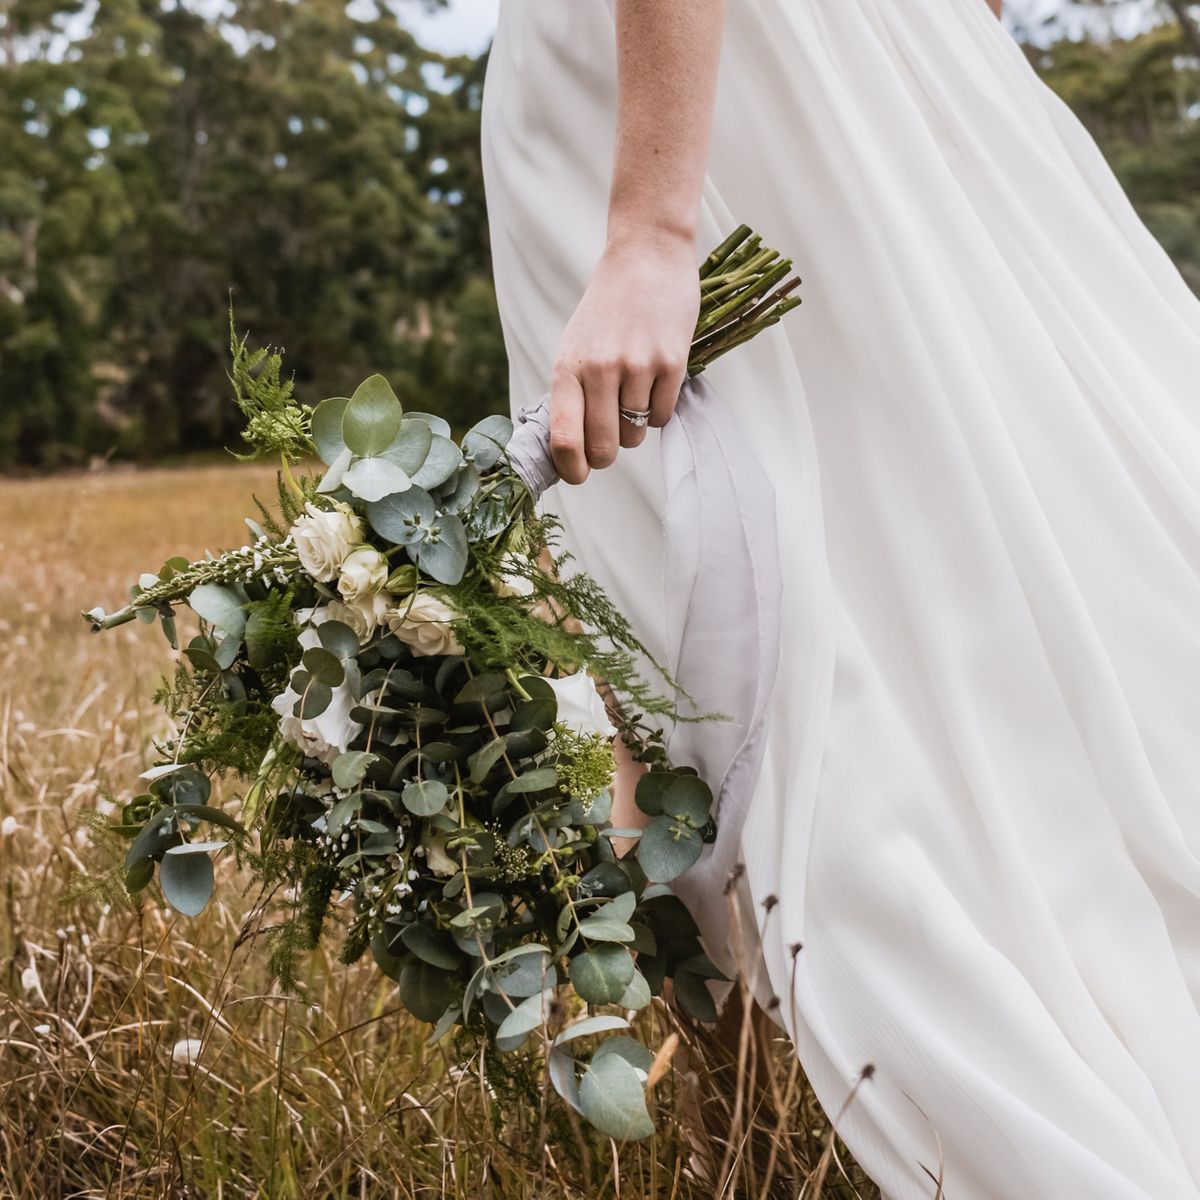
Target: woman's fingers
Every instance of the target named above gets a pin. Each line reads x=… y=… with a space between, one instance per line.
x=665 y=393
x=586 y=428
x=635 y=397
x=601 y=395
x=566 y=426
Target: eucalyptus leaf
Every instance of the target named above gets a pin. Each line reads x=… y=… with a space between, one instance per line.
x=693 y=996
x=431 y=946
x=314 y=701
x=220 y=606
x=350 y=767
x=425 y=990
x=637 y=994
x=485 y=442
x=443 y=556
x=324 y=666
x=372 y=417
x=612 y=1096
x=410 y=447
x=667 y=848
x=333 y=479
x=442 y=460
x=458 y=493
x=401 y=518
x=372 y=478
x=438 y=425
x=528 y=1015
x=598 y=929
x=186 y=880
x=338 y=638
x=327 y=428
x=424 y=797
x=601 y=974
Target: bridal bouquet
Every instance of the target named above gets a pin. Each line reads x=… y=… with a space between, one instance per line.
x=405 y=683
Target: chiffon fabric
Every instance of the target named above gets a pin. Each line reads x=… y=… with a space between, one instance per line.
x=971 y=853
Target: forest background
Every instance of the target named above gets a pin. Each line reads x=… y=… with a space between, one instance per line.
x=319 y=165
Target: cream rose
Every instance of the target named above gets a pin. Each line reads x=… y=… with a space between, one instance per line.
x=580 y=706
x=364 y=572
x=363 y=616
x=424 y=624
x=324 y=537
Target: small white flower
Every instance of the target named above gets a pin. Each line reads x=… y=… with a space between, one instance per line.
x=423 y=622
x=186 y=1053
x=323 y=537
x=364 y=572
x=580 y=706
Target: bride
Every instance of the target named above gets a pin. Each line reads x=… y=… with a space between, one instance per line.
x=979 y=809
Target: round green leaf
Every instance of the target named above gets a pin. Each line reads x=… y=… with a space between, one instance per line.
x=443 y=556
x=373 y=478
x=442 y=459
x=372 y=418
x=612 y=1095
x=601 y=975
x=688 y=798
x=350 y=767
x=327 y=428
x=220 y=606
x=485 y=443
x=315 y=700
x=425 y=990
x=425 y=797
x=410 y=447
x=324 y=666
x=667 y=848
x=432 y=946
x=186 y=879
x=338 y=638
x=399 y=518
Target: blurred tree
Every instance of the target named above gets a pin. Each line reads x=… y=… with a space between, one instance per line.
x=310 y=157
x=1140 y=98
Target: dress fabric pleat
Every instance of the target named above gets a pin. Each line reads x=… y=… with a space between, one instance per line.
x=979 y=808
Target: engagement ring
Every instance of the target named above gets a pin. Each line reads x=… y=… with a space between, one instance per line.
x=634 y=416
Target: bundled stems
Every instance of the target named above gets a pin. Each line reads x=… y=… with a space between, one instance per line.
x=744 y=289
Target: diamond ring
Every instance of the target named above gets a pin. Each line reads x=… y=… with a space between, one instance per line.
x=636 y=417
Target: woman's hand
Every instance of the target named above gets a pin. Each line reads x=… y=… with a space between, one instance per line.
x=626 y=347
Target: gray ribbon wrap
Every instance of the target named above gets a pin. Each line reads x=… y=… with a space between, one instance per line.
x=722 y=582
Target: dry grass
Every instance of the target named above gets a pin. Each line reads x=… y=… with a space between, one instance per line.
x=333 y=1094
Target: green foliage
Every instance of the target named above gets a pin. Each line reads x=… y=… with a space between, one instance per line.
x=310 y=158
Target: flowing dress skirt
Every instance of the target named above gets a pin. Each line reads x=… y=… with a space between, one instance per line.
x=980 y=804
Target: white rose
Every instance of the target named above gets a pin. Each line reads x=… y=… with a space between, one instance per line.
x=363 y=616
x=424 y=624
x=330 y=734
x=324 y=537
x=364 y=572
x=580 y=706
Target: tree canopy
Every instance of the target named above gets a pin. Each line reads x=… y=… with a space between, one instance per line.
x=313 y=164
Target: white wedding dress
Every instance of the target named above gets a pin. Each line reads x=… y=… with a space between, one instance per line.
x=980 y=803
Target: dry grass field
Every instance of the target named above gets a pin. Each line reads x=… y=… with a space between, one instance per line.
x=147 y=1055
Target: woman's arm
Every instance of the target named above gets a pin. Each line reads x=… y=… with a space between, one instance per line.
x=996 y=6
x=627 y=343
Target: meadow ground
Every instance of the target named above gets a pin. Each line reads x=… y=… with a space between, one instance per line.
x=330 y=1093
